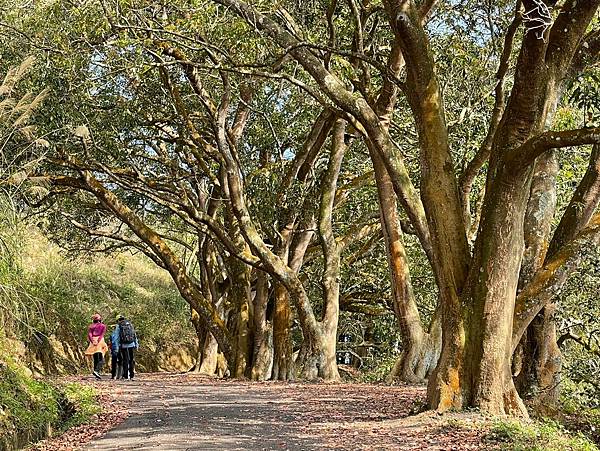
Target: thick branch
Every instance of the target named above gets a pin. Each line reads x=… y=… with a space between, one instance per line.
x=581 y=207
x=526 y=154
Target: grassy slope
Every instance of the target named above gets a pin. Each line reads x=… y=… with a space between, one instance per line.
x=30 y=408
x=54 y=298
x=46 y=301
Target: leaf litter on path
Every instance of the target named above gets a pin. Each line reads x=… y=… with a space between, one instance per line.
x=270 y=415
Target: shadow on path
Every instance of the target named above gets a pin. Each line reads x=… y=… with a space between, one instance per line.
x=188 y=412
x=205 y=416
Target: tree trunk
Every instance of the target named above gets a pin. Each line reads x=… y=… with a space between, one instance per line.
x=210 y=352
x=283 y=365
x=263 y=332
x=479 y=374
x=541 y=362
x=538 y=356
x=420 y=356
x=201 y=334
x=332 y=251
x=537 y=359
x=417 y=360
x=240 y=292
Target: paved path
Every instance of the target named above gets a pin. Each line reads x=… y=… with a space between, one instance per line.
x=186 y=412
x=203 y=416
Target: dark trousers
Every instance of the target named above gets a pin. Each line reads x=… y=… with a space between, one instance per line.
x=128 y=362
x=115 y=365
x=98 y=361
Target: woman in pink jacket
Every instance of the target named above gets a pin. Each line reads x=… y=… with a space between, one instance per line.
x=97 y=347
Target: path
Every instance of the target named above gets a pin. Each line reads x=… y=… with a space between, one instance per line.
x=186 y=412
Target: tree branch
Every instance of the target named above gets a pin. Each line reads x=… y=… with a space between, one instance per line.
x=581 y=207
x=483 y=154
x=525 y=155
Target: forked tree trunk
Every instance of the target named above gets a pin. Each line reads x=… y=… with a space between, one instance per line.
x=480 y=375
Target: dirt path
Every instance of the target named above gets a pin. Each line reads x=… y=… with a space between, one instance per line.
x=186 y=412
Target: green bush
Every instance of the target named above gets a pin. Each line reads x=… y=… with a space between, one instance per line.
x=83 y=400
x=25 y=403
x=546 y=435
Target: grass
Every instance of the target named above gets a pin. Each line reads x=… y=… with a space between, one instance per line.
x=31 y=407
x=544 y=435
x=84 y=400
x=26 y=404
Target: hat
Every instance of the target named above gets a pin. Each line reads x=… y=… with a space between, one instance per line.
x=96 y=317
x=120 y=317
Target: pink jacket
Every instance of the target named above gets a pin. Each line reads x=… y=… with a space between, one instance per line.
x=96 y=330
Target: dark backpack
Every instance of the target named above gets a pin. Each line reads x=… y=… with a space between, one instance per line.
x=126 y=333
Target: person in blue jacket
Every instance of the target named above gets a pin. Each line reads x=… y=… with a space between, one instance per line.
x=128 y=342
x=115 y=356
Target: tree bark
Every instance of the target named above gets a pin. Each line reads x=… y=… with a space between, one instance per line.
x=421 y=350
x=263 y=332
x=537 y=353
x=283 y=363
x=420 y=356
x=490 y=293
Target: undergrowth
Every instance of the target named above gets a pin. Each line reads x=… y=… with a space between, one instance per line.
x=546 y=435
x=31 y=408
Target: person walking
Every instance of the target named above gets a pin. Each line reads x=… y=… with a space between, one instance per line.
x=97 y=346
x=116 y=367
x=128 y=342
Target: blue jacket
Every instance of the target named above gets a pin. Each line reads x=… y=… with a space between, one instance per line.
x=116 y=342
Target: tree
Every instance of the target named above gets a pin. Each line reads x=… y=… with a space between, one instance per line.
x=376 y=78
x=478 y=291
